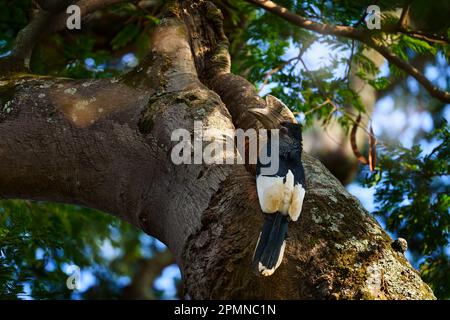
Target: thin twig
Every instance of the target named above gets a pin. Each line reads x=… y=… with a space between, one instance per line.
x=327 y=101
x=315 y=80
x=403 y=21
x=349 y=65
x=275 y=70
x=358 y=34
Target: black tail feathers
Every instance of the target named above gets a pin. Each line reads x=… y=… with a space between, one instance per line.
x=270 y=248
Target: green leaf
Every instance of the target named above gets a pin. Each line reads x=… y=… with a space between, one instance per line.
x=125 y=36
x=155 y=20
x=380 y=83
x=418 y=45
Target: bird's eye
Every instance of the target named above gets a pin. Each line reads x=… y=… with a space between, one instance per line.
x=283 y=130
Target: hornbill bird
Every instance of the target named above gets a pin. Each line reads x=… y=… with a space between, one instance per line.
x=281 y=194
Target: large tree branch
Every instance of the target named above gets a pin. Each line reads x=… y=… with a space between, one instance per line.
x=57 y=139
x=107 y=145
x=86 y=7
x=361 y=35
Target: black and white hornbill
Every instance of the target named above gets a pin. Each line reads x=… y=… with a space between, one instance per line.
x=281 y=194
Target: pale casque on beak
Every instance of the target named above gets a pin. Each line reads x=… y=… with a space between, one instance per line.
x=275 y=113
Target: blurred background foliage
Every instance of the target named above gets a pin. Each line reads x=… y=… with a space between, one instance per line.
x=408 y=192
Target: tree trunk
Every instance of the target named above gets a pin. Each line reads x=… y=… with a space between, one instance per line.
x=106 y=144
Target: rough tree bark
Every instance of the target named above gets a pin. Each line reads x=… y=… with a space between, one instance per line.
x=106 y=144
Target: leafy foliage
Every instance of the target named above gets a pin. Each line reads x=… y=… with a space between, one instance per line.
x=413 y=197
x=38 y=241
x=59 y=233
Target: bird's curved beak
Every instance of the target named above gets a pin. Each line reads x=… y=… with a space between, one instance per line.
x=268 y=118
x=273 y=114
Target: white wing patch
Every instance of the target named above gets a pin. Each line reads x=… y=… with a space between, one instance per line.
x=287 y=196
x=270 y=193
x=276 y=196
x=297 y=202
